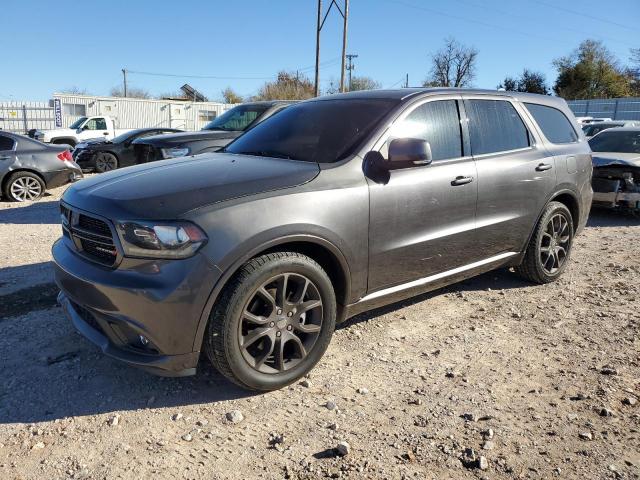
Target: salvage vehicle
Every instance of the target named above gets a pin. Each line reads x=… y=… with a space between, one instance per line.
x=82 y=129
x=593 y=129
x=213 y=136
x=29 y=167
x=104 y=155
x=616 y=169
x=332 y=207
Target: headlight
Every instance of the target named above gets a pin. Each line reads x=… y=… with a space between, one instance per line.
x=160 y=239
x=174 y=152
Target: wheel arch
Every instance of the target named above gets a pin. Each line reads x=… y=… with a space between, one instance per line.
x=328 y=256
x=61 y=140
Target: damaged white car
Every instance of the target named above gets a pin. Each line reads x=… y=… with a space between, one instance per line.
x=616 y=168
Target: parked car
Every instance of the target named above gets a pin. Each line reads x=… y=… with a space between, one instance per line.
x=104 y=155
x=85 y=128
x=214 y=136
x=616 y=168
x=588 y=120
x=29 y=167
x=592 y=129
x=334 y=206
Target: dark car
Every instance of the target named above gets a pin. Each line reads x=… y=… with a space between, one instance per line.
x=214 y=136
x=616 y=169
x=28 y=167
x=103 y=155
x=333 y=206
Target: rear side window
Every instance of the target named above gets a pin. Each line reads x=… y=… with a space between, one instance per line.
x=436 y=122
x=553 y=123
x=6 y=143
x=495 y=126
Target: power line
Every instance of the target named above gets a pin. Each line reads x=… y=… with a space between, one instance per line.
x=574 y=12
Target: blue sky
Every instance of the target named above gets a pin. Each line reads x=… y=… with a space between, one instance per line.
x=51 y=45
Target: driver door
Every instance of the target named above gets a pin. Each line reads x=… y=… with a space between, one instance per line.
x=95 y=128
x=422 y=222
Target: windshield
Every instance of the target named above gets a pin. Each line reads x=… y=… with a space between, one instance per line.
x=75 y=125
x=322 y=131
x=620 y=141
x=591 y=130
x=237 y=119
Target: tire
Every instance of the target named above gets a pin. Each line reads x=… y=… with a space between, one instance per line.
x=24 y=186
x=258 y=365
x=105 y=162
x=549 y=249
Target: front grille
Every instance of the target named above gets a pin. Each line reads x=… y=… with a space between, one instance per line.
x=91 y=236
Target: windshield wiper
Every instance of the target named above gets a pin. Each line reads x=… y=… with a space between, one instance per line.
x=266 y=153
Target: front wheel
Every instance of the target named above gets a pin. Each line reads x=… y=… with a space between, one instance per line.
x=549 y=249
x=24 y=186
x=105 y=162
x=273 y=322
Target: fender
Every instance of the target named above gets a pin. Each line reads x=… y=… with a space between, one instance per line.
x=550 y=198
x=233 y=268
x=72 y=140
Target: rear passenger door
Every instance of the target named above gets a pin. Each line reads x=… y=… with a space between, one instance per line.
x=516 y=175
x=422 y=221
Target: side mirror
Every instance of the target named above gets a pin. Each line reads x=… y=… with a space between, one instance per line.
x=409 y=152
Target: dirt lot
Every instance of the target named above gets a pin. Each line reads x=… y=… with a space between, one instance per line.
x=491 y=378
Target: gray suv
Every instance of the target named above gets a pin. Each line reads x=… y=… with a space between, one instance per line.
x=331 y=207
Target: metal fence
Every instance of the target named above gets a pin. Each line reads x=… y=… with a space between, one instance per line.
x=614 y=108
x=129 y=113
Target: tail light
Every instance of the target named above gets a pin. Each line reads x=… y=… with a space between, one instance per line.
x=65 y=156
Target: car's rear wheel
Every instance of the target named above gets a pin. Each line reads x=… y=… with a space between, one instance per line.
x=549 y=249
x=273 y=321
x=105 y=162
x=24 y=186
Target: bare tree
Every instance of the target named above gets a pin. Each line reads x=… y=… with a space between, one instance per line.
x=363 y=83
x=288 y=86
x=230 y=96
x=74 y=90
x=453 y=66
x=132 y=92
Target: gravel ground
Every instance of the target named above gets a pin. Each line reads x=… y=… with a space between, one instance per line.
x=490 y=378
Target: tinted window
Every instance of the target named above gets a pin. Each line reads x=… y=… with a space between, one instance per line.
x=616 y=141
x=495 y=126
x=591 y=130
x=6 y=143
x=321 y=131
x=238 y=118
x=436 y=122
x=553 y=123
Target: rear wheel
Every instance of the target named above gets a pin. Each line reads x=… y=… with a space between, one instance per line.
x=105 y=162
x=549 y=249
x=273 y=322
x=24 y=186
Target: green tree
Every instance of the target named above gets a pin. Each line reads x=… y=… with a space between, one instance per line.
x=590 y=71
x=287 y=86
x=230 y=96
x=509 y=84
x=529 y=81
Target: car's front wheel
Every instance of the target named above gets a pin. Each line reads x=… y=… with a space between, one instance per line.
x=24 y=186
x=273 y=321
x=105 y=162
x=549 y=249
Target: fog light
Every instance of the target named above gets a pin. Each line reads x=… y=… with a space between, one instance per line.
x=144 y=340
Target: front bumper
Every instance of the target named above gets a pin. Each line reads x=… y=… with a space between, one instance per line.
x=160 y=300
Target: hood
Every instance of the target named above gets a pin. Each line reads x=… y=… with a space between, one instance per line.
x=185 y=137
x=170 y=188
x=607 y=159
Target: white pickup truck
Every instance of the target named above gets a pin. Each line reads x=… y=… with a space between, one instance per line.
x=84 y=128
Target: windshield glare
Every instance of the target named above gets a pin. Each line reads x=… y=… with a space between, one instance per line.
x=238 y=118
x=322 y=131
x=622 y=142
x=75 y=125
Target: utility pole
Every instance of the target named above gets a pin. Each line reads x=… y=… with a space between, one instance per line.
x=406 y=84
x=124 y=75
x=320 y=24
x=350 y=67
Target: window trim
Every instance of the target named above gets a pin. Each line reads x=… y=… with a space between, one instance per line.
x=533 y=140
x=571 y=124
x=409 y=108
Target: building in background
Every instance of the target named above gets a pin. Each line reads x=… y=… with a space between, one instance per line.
x=613 y=108
x=20 y=117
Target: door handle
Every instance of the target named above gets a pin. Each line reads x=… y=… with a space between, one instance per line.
x=544 y=166
x=461 y=181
